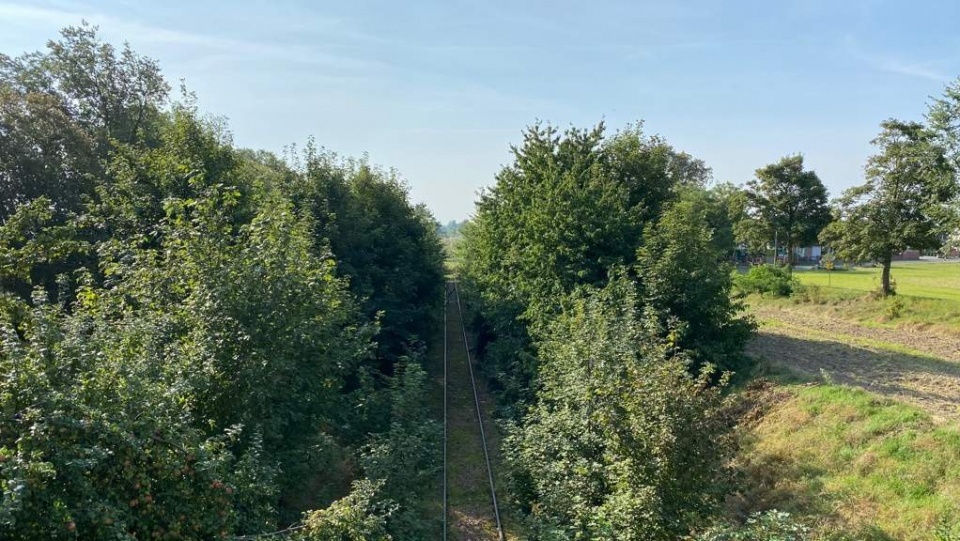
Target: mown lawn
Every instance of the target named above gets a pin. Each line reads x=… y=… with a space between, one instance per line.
x=928 y=295
x=928 y=280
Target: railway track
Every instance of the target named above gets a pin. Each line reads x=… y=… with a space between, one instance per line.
x=453 y=309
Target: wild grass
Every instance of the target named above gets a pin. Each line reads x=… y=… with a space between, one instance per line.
x=829 y=449
x=852 y=464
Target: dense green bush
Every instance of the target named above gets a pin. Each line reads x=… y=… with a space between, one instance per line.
x=623 y=443
x=568 y=209
x=188 y=349
x=685 y=281
x=357 y=517
x=772 y=280
x=405 y=457
x=94 y=444
x=386 y=247
x=811 y=293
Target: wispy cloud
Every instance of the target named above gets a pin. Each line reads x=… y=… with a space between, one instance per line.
x=894 y=64
x=921 y=70
x=204 y=43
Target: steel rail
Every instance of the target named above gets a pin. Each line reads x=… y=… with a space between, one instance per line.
x=476 y=398
x=446 y=299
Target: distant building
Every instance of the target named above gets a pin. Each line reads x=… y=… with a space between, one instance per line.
x=907 y=255
x=807 y=254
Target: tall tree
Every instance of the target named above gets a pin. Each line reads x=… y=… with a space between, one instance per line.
x=943 y=118
x=43 y=152
x=684 y=279
x=789 y=203
x=902 y=204
x=386 y=246
x=113 y=95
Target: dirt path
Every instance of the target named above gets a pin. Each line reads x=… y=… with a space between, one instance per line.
x=917 y=367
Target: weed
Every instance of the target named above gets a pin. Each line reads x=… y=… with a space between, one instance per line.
x=893 y=308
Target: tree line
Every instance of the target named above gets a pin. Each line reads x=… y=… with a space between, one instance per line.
x=199 y=341
x=909 y=199
x=605 y=320
x=203 y=341
x=600 y=269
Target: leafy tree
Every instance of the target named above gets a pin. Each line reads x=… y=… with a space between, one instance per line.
x=190 y=156
x=623 y=442
x=651 y=170
x=63 y=112
x=184 y=354
x=111 y=95
x=902 y=203
x=552 y=221
x=685 y=278
x=722 y=208
x=943 y=119
x=745 y=231
x=388 y=248
x=568 y=208
x=789 y=203
x=44 y=152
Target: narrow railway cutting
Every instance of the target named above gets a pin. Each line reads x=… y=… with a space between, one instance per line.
x=470 y=507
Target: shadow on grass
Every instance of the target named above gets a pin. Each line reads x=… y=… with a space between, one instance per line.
x=930 y=383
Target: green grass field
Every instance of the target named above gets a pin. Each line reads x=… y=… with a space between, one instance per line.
x=927 y=280
x=839 y=447
x=928 y=294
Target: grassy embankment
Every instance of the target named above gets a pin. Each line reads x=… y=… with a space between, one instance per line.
x=843 y=450
x=850 y=462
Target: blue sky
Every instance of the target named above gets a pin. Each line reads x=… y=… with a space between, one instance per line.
x=440 y=89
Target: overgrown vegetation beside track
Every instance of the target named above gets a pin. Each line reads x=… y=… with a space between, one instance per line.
x=200 y=342
x=603 y=307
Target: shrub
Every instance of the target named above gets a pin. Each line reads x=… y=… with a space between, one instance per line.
x=357 y=517
x=767 y=279
x=807 y=293
x=623 y=443
x=893 y=308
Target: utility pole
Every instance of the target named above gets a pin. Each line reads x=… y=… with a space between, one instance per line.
x=776 y=246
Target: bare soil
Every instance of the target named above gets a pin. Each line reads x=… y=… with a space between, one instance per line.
x=913 y=365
